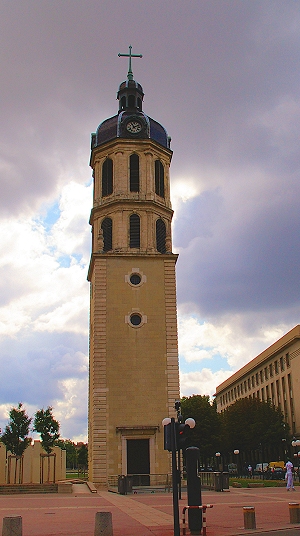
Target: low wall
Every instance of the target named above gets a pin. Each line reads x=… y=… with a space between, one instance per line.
x=34 y=467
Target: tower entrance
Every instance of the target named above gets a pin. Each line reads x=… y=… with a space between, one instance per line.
x=138 y=461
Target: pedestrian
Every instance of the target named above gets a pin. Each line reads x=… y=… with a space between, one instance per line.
x=250 y=470
x=289 y=476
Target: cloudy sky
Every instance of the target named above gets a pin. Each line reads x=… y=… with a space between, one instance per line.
x=223 y=77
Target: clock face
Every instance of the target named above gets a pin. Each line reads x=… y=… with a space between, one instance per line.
x=134 y=127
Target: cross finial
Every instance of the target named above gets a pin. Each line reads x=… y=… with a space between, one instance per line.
x=130 y=73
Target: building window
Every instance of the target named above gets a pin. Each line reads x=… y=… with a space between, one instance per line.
x=252 y=381
x=272 y=393
x=135 y=279
x=134 y=173
x=276 y=366
x=134 y=231
x=160 y=236
x=131 y=101
x=267 y=392
x=287 y=360
x=278 y=393
x=261 y=374
x=249 y=385
x=159 y=179
x=106 y=227
x=266 y=373
x=271 y=370
x=107 y=177
x=135 y=319
x=281 y=364
x=256 y=378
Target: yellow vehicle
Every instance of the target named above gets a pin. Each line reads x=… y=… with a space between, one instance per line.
x=277 y=465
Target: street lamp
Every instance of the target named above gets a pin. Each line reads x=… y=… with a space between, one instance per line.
x=219 y=462
x=236 y=452
x=296 y=445
x=174 y=435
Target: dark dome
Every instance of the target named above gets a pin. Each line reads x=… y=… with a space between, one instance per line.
x=108 y=130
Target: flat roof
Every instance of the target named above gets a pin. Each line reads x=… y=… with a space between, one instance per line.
x=276 y=347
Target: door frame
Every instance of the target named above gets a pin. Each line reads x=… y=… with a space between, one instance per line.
x=151 y=438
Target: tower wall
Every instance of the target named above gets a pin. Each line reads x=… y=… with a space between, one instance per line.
x=134 y=374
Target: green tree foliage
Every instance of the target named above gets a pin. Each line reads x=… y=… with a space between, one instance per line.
x=206 y=434
x=47 y=427
x=15 y=436
x=71 y=452
x=250 y=424
x=82 y=456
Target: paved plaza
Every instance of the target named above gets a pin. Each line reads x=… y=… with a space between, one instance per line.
x=149 y=514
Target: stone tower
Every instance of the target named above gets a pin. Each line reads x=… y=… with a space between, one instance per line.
x=134 y=376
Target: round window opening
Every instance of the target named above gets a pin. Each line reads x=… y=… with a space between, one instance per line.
x=135 y=319
x=135 y=279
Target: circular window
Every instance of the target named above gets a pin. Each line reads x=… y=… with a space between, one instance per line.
x=135 y=279
x=135 y=319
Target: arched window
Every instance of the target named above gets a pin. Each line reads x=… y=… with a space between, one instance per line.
x=106 y=227
x=131 y=101
x=134 y=173
x=134 y=231
x=159 y=179
x=107 y=177
x=160 y=236
x=139 y=103
x=123 y=103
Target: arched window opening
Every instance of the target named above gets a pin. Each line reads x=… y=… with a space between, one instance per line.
x=123 y=103
x=159 y=179
x=160 y=236
x=131 y=101
x=134 y=175
x=134 y=231
x=107 y=177
x=106 y=227
x=139 y=103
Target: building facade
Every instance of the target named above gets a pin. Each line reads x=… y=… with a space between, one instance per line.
x=273 y=375
x=134 y=373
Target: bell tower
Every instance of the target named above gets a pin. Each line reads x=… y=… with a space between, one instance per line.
x=134 y=374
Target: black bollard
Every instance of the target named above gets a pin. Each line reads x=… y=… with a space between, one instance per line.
x=193 y=490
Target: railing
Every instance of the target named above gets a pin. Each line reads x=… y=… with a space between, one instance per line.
x=124 y=484
x=134 y=483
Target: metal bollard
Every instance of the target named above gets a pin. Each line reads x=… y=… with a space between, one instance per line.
x=12 y=526
x=294 y=510
x=103 y=524
x=249 y=517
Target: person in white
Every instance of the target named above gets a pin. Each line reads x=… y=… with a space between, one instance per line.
x=289 y=476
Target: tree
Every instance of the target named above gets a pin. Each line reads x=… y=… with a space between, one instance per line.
x=206 y=434
x=15 y=436
x=47 y=427
x=82 y=456
x=71 y=452
x=254 y=427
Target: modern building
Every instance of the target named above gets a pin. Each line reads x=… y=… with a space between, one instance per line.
x=134 y=373
x=273 y=375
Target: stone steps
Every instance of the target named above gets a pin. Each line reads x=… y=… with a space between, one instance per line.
x=14 y=489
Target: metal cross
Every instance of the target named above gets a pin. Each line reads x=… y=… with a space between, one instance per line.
x=130 y=73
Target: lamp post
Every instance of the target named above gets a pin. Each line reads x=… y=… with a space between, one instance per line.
x=236 y=452
x=296 y=445
x=219 y=461
x=174 y=436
